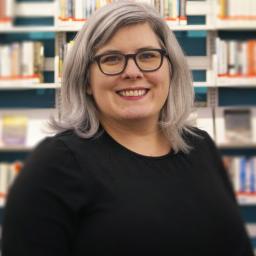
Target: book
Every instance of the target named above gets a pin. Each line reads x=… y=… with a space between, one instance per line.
x=235 y=126
x=238 y=126
x=242 y=173
x=14 y=129
x=22 y=60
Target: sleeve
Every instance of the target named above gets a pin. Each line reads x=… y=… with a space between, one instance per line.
x=245 y=245
x=222 y=171
x=42 y=204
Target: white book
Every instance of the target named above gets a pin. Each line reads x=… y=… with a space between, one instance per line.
x=83 y=7
x=165 y=8
x=88 y=8
x=93 y=5
x=62 y=8
x=15 y=57
x=9 y=8
x=4 y=173
x=236 y=172
x=78 y=7
x=244 y=58
x=5 y=61
x=174 y=12
x=238 y=65
x=222 y=56
x=183 y=12
x=27 y=58
x=161 y=11
x=219 y=50
x=232 y=57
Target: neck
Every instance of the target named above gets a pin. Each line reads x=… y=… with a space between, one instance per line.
x=140 y=137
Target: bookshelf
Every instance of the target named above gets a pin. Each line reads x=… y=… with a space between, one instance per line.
x=203 y=25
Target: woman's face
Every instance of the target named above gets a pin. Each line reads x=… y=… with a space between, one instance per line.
x=133 y=94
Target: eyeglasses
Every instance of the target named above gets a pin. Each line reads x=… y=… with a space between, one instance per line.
x=115 y=63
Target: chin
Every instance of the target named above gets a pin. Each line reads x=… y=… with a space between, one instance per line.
x=138 y=115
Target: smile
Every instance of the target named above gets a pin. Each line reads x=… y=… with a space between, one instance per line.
x=133 y=92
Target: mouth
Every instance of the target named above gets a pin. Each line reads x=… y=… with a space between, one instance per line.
x=134 y=93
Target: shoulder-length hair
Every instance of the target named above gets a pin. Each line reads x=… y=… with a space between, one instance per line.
x=77 y=109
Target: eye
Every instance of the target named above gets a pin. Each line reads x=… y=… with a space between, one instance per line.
x=148 y=55
x=111 y=59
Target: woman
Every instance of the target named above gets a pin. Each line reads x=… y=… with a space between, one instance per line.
x=126 y=174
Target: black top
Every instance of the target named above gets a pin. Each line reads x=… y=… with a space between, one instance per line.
x=81 y=197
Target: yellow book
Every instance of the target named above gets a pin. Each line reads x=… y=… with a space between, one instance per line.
x=14 y=130
x=222 y=8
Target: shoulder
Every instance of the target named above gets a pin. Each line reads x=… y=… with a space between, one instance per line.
x=50 y=166
x=66 y=149
x=196 y=137
x=52 y=157
x=60 y=144
x=51 y=148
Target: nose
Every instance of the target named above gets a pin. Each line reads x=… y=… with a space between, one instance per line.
x=131 y=71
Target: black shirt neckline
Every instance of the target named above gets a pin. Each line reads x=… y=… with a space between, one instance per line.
x=133 y=153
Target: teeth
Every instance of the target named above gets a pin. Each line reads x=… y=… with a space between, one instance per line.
x=130 y=93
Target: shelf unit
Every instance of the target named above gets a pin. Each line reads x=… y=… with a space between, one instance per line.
x=212 y=84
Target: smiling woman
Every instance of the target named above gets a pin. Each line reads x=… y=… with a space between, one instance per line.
x=125 y=174
x=115 y=30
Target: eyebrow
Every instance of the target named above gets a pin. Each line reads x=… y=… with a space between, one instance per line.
x=137 y=50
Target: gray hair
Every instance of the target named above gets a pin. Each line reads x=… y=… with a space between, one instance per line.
x=77 y=108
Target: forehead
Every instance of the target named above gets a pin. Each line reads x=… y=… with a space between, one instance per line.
x=130 y=38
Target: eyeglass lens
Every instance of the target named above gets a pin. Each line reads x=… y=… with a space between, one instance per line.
x=115 y=63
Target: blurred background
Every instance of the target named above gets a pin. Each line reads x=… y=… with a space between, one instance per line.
x=218 y=38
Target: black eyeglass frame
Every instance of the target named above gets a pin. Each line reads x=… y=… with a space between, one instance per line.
x=162 y=52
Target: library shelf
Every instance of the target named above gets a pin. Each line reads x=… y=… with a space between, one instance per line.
x=27 y=86
x=246 y=198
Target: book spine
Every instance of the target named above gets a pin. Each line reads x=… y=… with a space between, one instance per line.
x=236 y=181
x=244 y=58
x=183 y=12
x=39 y=60
x=250 y=57
x=166 y=8
x=232 y=57
x=27 y=58
x=5 y=61
x=222 y=8
x=9 y=8
x=78 y=9
x=3 y=179
x=16 y=69
x=252 y=176
x=242 y=175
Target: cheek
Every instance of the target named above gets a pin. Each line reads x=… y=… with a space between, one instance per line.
x=162 y=80
x=95 y=81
